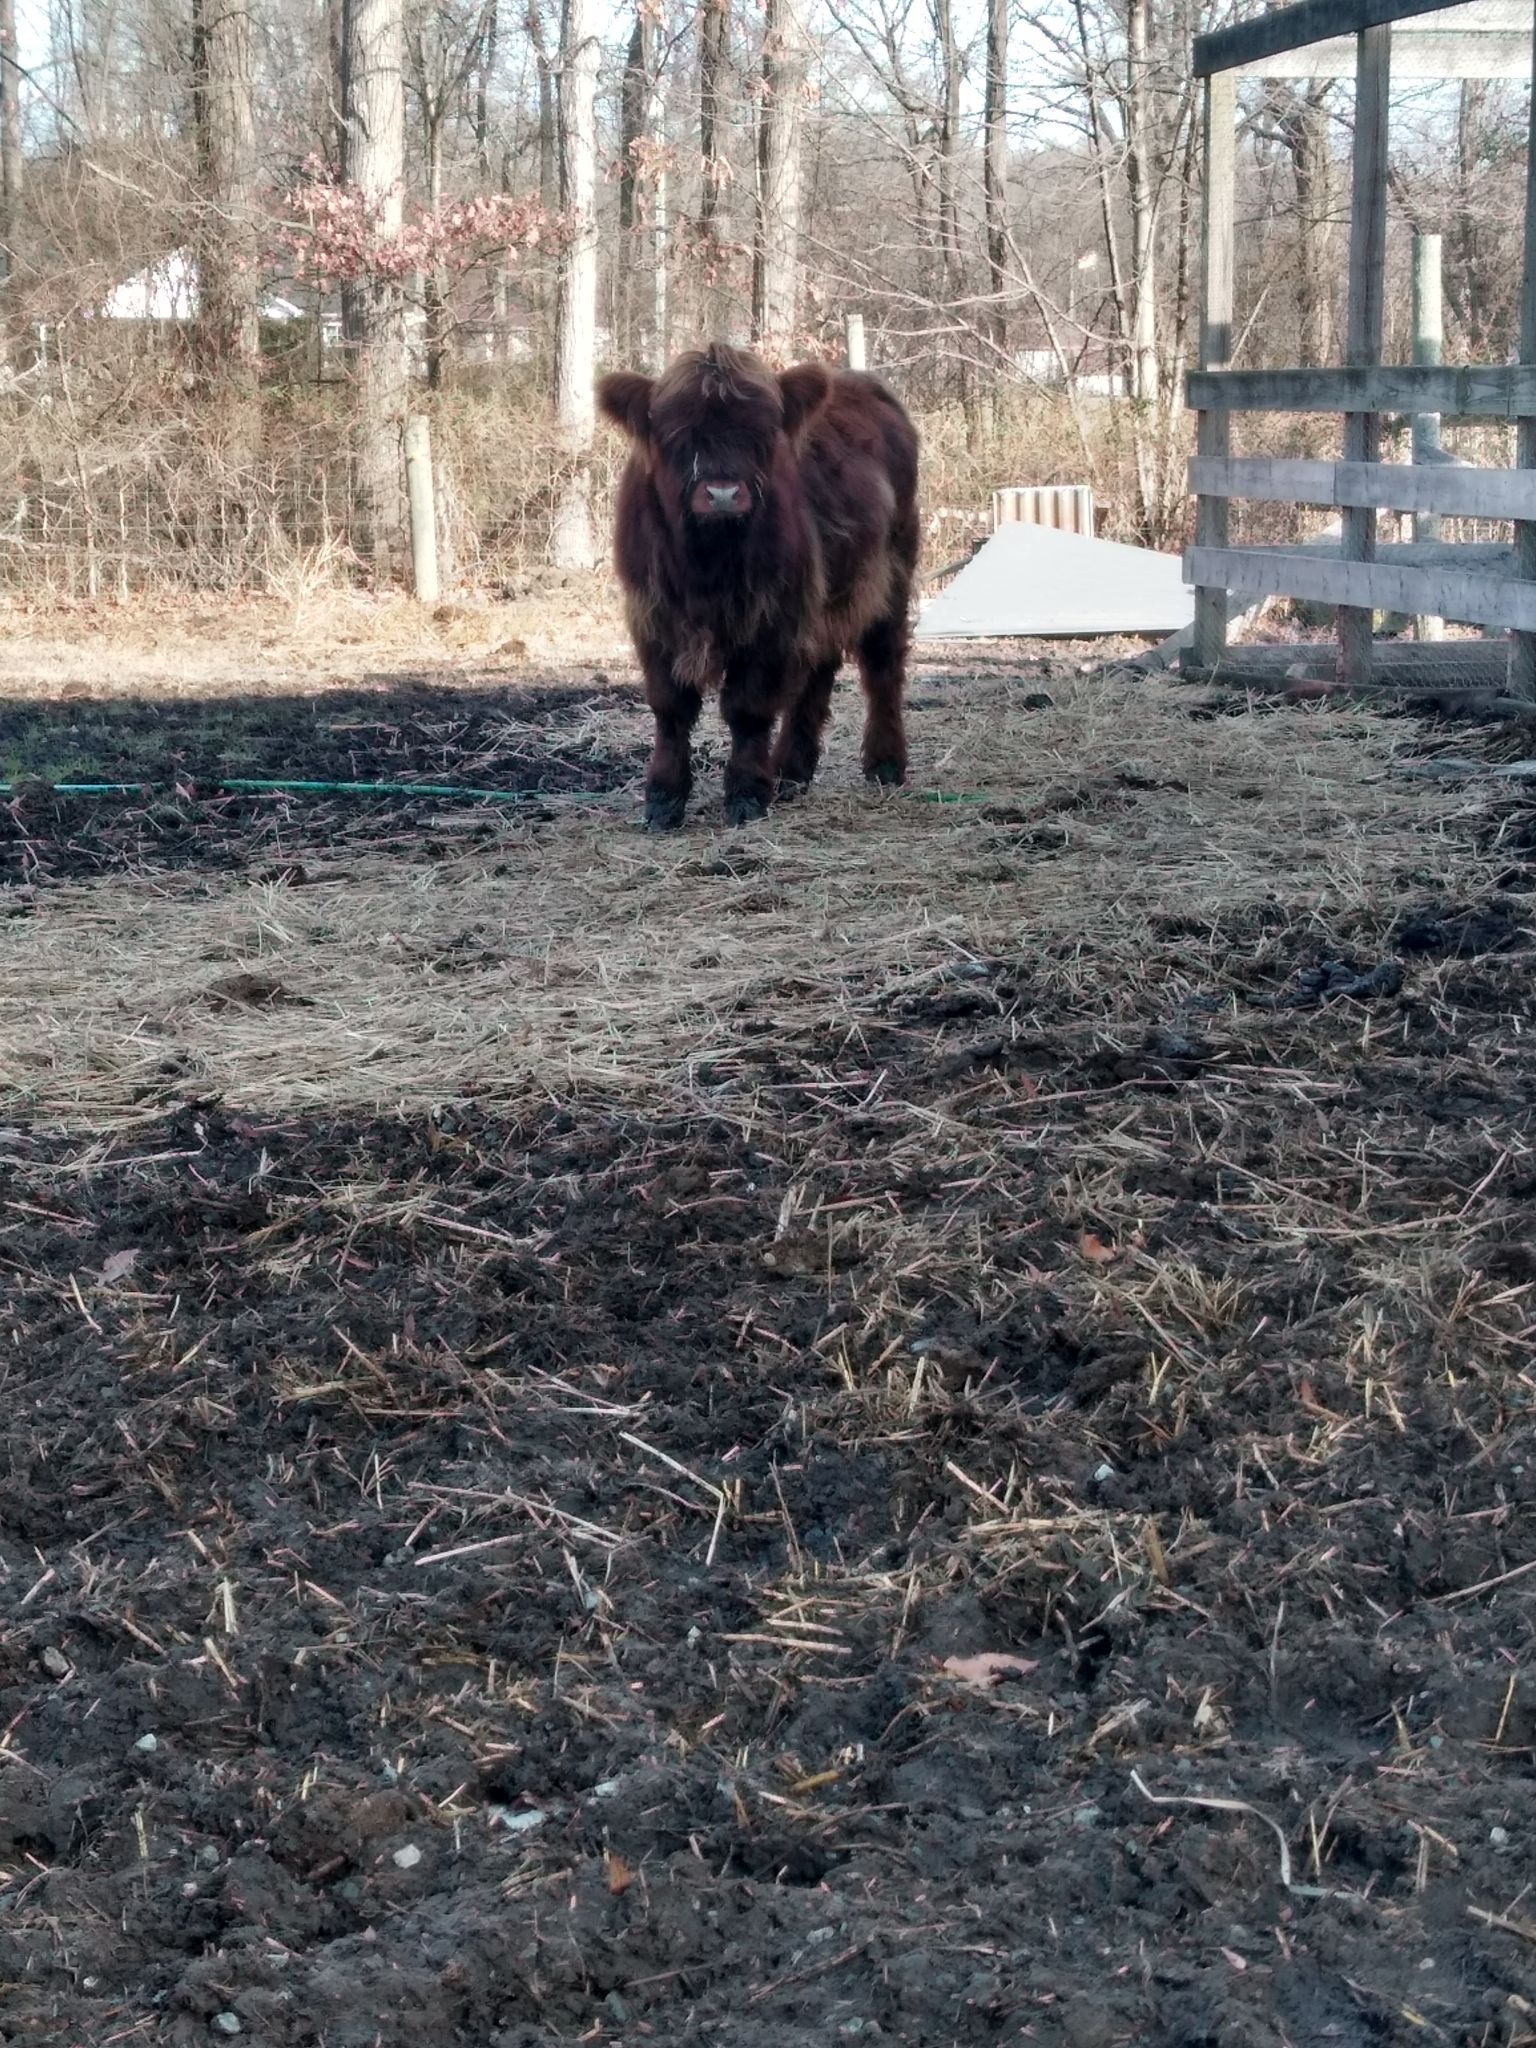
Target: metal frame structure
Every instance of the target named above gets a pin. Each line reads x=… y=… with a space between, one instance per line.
x=1374 y=41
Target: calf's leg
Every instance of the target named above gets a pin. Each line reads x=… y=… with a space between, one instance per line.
x=883 y=671
x=753 y=691
x=799 y=745
x=669 y=777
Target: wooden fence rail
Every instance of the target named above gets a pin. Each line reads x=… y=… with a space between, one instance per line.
x=1484 y=391
x=1448 y=593
x=1460 y=490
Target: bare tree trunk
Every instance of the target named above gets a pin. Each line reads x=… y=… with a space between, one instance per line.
x=1142 y=194
x=714 y=35
x=444 y=65
x=948 y=142
x=353 y=290
x=338 y=15
x=547 y=67
x=995 y=170
x=501 y=280
x=714 y=44
x=89 y=59
x=1299 y=117
x=1104 y=150
x=1179 y=335
x=571 y=544
x=490 y=31
x=10 y=166
x=335 y=152
x=374 y=110
x=656 y=135
x=226 y=340
x=224 y=237
x=634 y=98
x=1186 y=244
x=435 y=293
x=10 y=115
x=1312 y=163
x=549 y=169
x=776 y=255
x=1472 y=258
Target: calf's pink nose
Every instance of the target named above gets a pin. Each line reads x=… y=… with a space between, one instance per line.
x=710 y=499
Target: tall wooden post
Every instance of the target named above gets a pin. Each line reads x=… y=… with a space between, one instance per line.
x=422 y=502
x=1522 y=666
x=1213 y=430
x=1367 y=291
x=1428 y=348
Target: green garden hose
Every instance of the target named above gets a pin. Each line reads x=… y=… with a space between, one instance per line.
x=250 y=785
x=78 y=788
x=244 y=784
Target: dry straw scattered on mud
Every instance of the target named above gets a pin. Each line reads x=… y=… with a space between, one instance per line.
x=634 y=1406
x=579 y=949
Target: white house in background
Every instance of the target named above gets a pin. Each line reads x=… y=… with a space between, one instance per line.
x=168 y=290
x=1042 y=366
x=164 y=291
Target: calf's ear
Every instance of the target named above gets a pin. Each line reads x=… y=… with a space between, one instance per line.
x=805 y=390
x=624 y=396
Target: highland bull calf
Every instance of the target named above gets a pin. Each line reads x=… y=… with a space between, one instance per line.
x=766 y=528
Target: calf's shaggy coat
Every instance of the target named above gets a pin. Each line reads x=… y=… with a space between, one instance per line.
x=766 y=528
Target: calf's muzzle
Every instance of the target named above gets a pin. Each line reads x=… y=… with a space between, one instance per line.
x=712 y=499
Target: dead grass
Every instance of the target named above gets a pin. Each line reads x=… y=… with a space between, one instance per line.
x=623 y=961
x=263 y=646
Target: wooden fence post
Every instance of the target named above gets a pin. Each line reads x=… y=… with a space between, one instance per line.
x=421 y=500
x=854 y=329
x=1367 y=289
x=1428 y=348
x=1213 y=431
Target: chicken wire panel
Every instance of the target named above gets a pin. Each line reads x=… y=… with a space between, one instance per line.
x=1284 y=650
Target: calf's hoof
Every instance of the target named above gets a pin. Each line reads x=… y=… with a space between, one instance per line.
x=744 y=807
x=664 y=813
x=789 y=787
x=888 y=773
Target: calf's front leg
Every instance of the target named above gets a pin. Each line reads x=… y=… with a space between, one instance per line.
x=756 y=684
x=669 y=776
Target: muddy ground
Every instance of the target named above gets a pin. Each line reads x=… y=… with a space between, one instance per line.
x=1005 y=1514
x=187 y=752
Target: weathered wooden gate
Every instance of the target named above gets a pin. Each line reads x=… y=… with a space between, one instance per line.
x=1374 y=41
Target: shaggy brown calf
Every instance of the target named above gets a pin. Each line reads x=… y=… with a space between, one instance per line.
x=766 y=528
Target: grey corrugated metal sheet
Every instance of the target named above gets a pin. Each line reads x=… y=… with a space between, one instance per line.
x=1036 y=582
